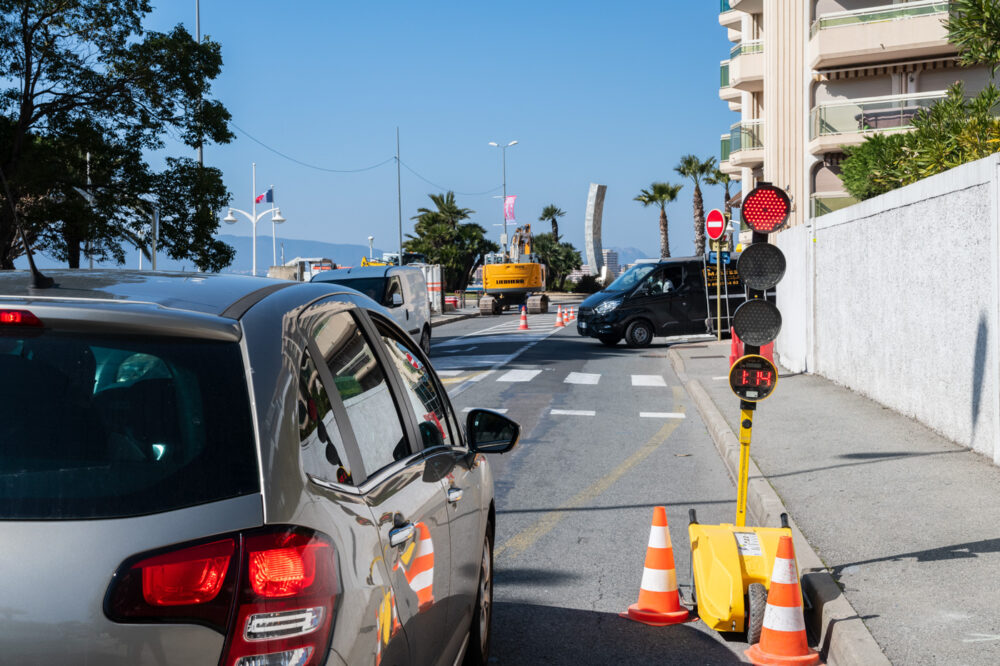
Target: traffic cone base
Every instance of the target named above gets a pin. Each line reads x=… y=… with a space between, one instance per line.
x=783 y=640
x=659 y=603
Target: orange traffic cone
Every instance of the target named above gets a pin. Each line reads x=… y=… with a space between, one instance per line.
x=559 y=318
x=524 y=320
x=783 y=637
x=659 y=604
x=419 y=567
x=572 y=313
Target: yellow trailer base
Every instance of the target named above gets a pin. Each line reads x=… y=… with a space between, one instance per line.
x=725 y=560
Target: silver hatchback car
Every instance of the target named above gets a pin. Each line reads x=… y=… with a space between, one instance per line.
x=224 y=470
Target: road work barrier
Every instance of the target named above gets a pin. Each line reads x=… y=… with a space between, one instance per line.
x=783 y=636
x=659 y=603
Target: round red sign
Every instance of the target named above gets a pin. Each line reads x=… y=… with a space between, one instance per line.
x=715 y=224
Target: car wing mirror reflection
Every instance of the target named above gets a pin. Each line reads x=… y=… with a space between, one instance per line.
x=490 y=432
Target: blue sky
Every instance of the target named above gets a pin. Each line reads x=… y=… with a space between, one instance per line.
x=612 y=93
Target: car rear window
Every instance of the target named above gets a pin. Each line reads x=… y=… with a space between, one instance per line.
x=102 y=426
x=373 y=288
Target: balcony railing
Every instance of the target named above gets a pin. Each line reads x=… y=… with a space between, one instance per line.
x=724 y=6
x=876 y=14
x=724 y=74
x=827 y=203
x=869 y=114
x=747 y=135
x=724 y=148
x=746 y=48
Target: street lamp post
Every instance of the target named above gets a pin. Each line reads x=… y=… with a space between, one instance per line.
x=371 y=239
x=503 y=152
x=254 y=216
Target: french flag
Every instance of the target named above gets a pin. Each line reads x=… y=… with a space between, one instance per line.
x=267 y=196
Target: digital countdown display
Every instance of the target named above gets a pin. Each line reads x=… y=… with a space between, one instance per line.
x=753 y=378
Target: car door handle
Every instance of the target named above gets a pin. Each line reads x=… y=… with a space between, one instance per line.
x=454 y=494
x=400 y=535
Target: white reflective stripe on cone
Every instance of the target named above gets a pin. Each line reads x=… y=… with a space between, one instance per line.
x=422 y=580
x=424 y=547
x=659 y=538
x=783 y=618
x=784 y=572
x=658 y=580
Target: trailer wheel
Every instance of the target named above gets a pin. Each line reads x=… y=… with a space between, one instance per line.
x=757 y=603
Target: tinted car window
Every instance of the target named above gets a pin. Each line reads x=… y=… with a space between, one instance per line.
x=373 y=288
x=100 y=426
x=361 y=382
x=322 y=450
x=431 y=410
x=630 y=278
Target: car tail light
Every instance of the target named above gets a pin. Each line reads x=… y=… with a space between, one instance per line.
x=18 y=318
x=271 y=592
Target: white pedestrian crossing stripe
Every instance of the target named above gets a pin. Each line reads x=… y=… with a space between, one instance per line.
x=518 y=375
x=573 y=412
x=648 y=380
x=498 y=411
x=582 y=378
x=661 y=415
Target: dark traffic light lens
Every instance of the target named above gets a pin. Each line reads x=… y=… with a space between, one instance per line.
x=766 y=209
x=757 y=322
x=761 y=266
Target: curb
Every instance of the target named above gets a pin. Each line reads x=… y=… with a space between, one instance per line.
x=843 y=637
x=448 y=319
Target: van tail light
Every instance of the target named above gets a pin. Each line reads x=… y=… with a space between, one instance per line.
x=271 y=592
x=18 y=318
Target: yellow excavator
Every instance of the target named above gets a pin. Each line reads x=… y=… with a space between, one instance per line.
x=514 y=277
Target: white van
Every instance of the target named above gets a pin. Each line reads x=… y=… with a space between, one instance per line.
x=401 y=289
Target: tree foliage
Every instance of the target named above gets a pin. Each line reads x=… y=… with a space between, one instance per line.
x=697 y=170
x=952 y=132
x=84 y=76
x=441 y=235
x=974 y=28
x=559 y=259
x=660 y=194
x=552 y=213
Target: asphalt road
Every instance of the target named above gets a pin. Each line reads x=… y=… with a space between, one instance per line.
x=608 y=433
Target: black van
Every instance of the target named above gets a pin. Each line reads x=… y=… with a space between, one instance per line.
x=659 y=298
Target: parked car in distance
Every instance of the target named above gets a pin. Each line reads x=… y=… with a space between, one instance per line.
x=660 y=298
x=400 y=289
x=203 y=469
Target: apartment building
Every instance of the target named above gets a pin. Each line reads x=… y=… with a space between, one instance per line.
x=611 y=261
x=809 y=77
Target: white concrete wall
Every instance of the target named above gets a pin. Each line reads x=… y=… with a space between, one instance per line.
x=904 y=301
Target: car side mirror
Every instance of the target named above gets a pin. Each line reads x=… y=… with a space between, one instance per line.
x=397 y=299
x=490 y=432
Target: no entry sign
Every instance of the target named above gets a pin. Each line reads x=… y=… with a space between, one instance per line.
x=715 y=224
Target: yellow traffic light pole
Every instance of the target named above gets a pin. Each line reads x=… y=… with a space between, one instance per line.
x=746 y=427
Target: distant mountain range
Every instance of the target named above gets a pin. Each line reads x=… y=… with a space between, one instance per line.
x=343 y=254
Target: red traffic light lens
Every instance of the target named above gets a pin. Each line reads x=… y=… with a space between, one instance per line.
x=766 y=209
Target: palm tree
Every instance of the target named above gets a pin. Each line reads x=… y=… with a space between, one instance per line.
x=717 y=177
x=696 y=170
x=448 y=212
x=552 y=213
x=660 y=194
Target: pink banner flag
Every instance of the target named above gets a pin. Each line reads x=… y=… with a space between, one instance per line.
x=508 y=207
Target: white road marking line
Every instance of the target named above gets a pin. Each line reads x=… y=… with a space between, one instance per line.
x=518 y=375
x=498 y=411
x=648 y=380
x=582 y=378
x=572 y=412
x=449 y=373
x=481 y=376
x=662 y=415
x=507 y=359
x=723 y=377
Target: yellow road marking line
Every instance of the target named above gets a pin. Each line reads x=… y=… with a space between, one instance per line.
x=524 y=539
x=463 y=378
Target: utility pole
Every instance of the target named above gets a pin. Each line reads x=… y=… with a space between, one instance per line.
x=197 y=36
x=399 y=200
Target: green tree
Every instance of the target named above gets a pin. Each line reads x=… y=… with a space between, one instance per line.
x=717 y=177
x=953 y=131
x=552 y=213
x=559 y=259
x=443 y=238
x=79 y=76
x=660 y=194
x=974 y=28
x=697 y=170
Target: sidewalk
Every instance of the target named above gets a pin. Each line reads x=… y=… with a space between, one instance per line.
x=907 y=523
x=442 y=318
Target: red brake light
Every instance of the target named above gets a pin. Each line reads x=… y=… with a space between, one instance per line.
x=191 y=576
x=283 y=572
x=18 y=318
